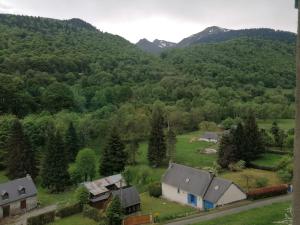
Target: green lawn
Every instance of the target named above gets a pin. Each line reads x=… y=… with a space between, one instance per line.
x=163 y=208
x=261 y=216
x=74 y=220
x=268 y=159
x=64 y=198
x=285 y=124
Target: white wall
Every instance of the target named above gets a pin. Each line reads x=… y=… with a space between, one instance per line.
x=15 y=207
x=233 y=194
x=171 y=193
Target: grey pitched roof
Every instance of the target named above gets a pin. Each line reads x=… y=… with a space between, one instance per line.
x=210 y=135
x=216 y=189
x=187 y=178
x=12 y=189
x=130 y=196
x=100 y=198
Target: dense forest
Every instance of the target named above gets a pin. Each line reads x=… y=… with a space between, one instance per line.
x=68 y=71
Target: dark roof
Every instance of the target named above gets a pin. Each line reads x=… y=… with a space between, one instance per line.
x=210 y=135
x=100 y=198
x=130 y=196
x=197 y=182
x=216 y=189
x=187 y=178
x=13 y=188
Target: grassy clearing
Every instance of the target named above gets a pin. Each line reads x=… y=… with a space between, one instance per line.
x=268 y=159
x=64 y=198
x=285 y=124
x=74 y=220
x=251 y=175
x=261 y=216
x=163 y=208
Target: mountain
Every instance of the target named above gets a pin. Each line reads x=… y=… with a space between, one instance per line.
x=203 y=35
x=157 y=46
x=217 y=34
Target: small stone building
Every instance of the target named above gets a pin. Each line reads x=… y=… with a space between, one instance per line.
x=17 y=196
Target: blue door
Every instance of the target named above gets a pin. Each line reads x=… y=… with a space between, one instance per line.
x=208 y=205
x=192 y=200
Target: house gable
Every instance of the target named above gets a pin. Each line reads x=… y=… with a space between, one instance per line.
x=232 y=194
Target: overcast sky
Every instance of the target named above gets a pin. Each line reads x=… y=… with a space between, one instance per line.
x=170 y=20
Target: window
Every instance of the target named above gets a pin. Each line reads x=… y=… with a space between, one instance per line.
x=21 y=190
x=4 y=195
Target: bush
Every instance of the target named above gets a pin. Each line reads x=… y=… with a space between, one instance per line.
x=42 y=219
x=69 y=210
x=82 y=195
x=268 y=192
x=155 y=190
x=91 y=213
x=262 y=182
x=239 y=166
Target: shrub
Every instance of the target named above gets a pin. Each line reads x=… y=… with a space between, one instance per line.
x=91 y=213
x=82 y=195
x=262 y=182
x=155 y=190
x=69 y=210
x=268 y=192
x=239 y=166
x=42 y=219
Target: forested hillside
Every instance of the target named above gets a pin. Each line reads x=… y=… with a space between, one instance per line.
x=68 y=71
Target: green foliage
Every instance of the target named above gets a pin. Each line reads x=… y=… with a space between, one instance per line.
x=114 y=156
x=285 y=169
x=82 y=195
x=155 y=189
x=157 y=145
x=128 y=175
x=208 y=126
x=239 y=166
x=262 y=182
x=114 y=212
x=41 y=219
x=21 y=158
x=69 y=210
x=71 y=142
x=171 y=144
x=91 y=213
x=54 y=172
x=86 y=164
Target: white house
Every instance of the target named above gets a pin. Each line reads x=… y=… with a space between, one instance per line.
x=198 y=188
x=17 y=196
x=210 y=137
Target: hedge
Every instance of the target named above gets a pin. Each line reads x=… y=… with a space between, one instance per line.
x=91 y=213
x=155 y=190
x=260 y=167
x=278 y=152
x=268 y=192
x=41 y=219
x=69 y=210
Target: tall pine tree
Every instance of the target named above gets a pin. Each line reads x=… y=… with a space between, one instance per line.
x=54 y=169
x=226 y=153
x=239 y=143
x=253 y=144
x=157 y=144
x=21 y=157
x=71 y=143
x=114 y=157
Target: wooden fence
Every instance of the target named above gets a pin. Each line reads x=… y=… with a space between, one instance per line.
x=138 y=220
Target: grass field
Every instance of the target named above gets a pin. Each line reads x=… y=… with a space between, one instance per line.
x=268 y=159
x=75 y=220
x=162 y=208
x=267 y=215
x=285 y=124
x=251 y=175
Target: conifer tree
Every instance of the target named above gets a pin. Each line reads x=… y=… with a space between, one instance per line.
x=157 y=144
x=239 y=143
x=171 y=144
x=114 y=157
x=114 y=212
x=71 y=143
x=21 y=157
x=54 y=169
x=253 y=144
x=226 y=150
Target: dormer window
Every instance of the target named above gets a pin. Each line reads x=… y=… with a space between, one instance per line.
x=4 y=195
x=21 y=190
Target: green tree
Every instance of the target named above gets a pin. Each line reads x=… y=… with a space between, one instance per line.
x=82 y=195
x=114 y=212
x=132 y=150
x=86 y=164
x=71 y=143
x=226 y=150
x=157 y=144
x=21 y=157
x=239 y=150
x=114 y=157
x=171 y=144
x=54 y=172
